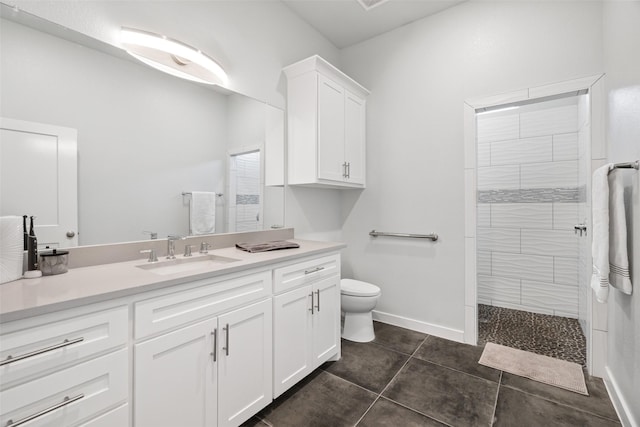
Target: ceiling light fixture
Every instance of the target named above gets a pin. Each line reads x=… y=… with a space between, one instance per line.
x=172 y=57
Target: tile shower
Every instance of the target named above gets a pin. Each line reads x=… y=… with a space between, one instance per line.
x=531 y=188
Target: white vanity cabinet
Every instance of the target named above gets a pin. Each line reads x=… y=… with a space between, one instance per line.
x=69 y=368
x=326 y=123
x=217 y=371
x=306 y=319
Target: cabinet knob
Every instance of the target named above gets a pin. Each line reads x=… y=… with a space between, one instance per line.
x=71 y=234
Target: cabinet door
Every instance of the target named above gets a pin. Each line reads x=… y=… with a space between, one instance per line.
x=245 y=380
x=292 y=338
x=330 y=130
x=354 y=131
x=326 y=319
x=175 y=382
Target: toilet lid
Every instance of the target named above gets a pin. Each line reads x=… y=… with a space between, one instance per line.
x=358 y=288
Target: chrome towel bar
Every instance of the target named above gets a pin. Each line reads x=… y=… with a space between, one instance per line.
x=628 y=165
x=188 y=193
x=432 y=236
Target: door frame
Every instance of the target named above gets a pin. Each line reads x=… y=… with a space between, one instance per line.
x=230 y=201
x=596 y=312
x=67 y=139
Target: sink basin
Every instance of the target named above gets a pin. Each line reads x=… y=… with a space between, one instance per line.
x=181 y=265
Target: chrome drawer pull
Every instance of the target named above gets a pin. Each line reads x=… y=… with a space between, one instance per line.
x=313 y=270
x=226 y=349
x=66 y=401
x=65 y=343
x=318 y=306
x=311 y=309
x=215 y=344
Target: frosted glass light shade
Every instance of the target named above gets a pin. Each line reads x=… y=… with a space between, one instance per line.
x=172 y=57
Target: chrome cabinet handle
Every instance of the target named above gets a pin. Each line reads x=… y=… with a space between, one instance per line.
x=318 y=305
x=311 y=309
x=215 y=345
x=65 y=343
x=66 y=401
x=226 y=348
x=344 y=170
x=348 y=170
x=313 y=270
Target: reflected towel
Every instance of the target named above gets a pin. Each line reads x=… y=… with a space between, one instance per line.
x=203 y=212
x=609 y=247
x=11 y=248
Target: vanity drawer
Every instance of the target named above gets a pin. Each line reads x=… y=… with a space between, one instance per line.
x=170 y=311
x=303 y=272
x=33 y=347
x=69 y=396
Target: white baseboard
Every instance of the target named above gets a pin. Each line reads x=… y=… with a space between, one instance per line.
x=620 y=404
x=420 y=326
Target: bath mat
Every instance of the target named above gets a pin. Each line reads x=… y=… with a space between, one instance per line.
x=544 y=369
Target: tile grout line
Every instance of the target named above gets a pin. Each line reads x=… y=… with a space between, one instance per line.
x=391 y=380
x=561 y=403
x=495 y=405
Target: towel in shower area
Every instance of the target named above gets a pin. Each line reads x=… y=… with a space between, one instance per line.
x=609 y=248
x=203 y=212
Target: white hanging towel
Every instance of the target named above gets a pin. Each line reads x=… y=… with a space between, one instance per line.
x=203 y=212
x=609 y=248
x=11 y=248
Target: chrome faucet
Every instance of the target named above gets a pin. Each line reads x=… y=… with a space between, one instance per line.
x=171 y=245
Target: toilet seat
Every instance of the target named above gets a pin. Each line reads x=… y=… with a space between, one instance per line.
x=358 y=289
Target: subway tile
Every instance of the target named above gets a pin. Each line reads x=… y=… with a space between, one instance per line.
x=565 y=216
x=523 y=308
x=522 y=266
x=568 y=314
x=484 y=215
x=565 y=271
x=550 y=296
x=528 y=150
x=565 y=147
x=550 y=242
x=499 y=289
x=521 y=215
x=497 y=128
x=484 y=263
x=484 y=155
x=550 y=175
x=499 y=239
x=499 y=177
x=549 y=121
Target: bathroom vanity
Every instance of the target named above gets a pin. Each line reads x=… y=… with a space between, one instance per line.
x=208 y=342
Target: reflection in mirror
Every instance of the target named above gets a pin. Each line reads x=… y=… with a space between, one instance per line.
x=143 y=137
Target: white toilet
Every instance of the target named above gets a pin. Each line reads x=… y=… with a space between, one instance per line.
x=358 y=299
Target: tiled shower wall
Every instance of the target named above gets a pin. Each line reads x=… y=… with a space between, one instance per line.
x=529 y=195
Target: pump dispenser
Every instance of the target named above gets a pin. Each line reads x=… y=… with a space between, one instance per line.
x=32 y=253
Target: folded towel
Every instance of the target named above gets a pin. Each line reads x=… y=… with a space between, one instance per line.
x=600 y=240
x=609 y=248
x=267 y=246
x=619 y=276
x=203 y=212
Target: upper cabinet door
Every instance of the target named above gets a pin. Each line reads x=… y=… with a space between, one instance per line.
x=330 y=130
x=48 y=189
x=354 y=135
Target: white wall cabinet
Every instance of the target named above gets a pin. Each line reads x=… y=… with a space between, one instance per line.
x=326 y=123
x=306 y=324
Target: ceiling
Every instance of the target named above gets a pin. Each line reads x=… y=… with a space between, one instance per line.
x=346 y=22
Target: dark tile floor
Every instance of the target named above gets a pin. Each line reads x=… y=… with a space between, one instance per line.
x=405 y=378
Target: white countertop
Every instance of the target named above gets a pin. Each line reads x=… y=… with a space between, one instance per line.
x=79 y=286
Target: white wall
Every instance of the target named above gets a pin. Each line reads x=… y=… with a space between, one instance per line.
x=622 y=65
x=419 y=76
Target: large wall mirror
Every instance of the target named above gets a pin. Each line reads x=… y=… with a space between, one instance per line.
x=143 y=138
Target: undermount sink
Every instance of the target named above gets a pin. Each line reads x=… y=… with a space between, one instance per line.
x=181 y=265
